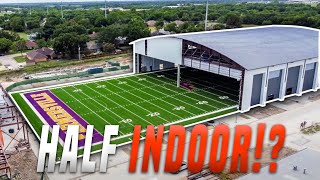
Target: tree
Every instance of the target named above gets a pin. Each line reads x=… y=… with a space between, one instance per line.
x=101 y=22
x=49 y=27
x=218 y=26
x=159 y=24
x=136 y=29
x=108 y=47
x=172 y=27
x=69 y=27
x=17 y=24
x=33 y=23
x=233 y=20
x=68 y=43
x=110 y=33
x=5 y=45
x=19 y=45
x=42 y=43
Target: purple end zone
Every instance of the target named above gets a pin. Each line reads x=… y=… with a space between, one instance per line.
x=97 y=137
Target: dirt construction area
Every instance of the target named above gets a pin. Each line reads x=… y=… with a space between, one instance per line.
x=7 y=80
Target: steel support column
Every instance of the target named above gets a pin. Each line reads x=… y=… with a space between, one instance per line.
x=178 y=76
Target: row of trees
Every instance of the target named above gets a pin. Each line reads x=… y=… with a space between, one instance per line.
x=68 y=34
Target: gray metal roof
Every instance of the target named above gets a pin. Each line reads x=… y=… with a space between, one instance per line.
x=308 y=159
x=261 y=47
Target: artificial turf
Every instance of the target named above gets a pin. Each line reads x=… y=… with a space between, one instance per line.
x=144 y=99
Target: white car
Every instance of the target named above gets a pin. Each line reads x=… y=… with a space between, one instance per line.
x=10 y=68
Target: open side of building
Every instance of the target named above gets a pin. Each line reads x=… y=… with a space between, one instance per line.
x=269 y=62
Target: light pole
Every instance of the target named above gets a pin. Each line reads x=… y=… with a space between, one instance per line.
x=105 y=8
x=61 y=10
x=206 y=20
x=79 y=52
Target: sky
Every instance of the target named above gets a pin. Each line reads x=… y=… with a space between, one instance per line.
x=39 y=1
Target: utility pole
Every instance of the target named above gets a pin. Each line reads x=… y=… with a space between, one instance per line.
x=61 y=10
x=30 y=10
x=79 y=52
x=206 y=20
x=105 y=8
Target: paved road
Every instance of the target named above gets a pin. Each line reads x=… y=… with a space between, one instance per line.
x=8 y=60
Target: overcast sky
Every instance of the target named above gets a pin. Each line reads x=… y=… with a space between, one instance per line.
x=32 y=1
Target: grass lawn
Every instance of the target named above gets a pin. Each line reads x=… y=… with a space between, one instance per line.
x=249 y=25
x=142 y=99
x=153 y=29
x=23 y=35
x=20 y=59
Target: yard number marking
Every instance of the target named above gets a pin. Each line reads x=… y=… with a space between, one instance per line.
x=77 y=90
x=122 y=82
x=224 y=97
x=153 y=114
x=202 y=102
x=101 y=86
x=126 y=121
x=159 y=76
x=178 y=108
x=142 y=79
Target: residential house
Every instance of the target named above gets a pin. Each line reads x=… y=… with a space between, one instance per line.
x=35 y=57
x=178 y=22
x=47 y=52
x=31 y=45
x=94 y=47
x=151 y=23
x=160 y=32
x=40 y=55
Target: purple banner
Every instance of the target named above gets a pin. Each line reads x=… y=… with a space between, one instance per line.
x=55 y=112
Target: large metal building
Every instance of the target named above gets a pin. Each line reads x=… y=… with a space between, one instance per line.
x=269 y=62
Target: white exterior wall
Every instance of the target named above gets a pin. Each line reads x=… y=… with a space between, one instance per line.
x=166 y=49
x=248 y=82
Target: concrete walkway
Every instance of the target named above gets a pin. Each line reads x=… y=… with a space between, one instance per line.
x=8 y=60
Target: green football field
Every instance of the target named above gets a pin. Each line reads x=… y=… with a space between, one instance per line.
x=143 y=99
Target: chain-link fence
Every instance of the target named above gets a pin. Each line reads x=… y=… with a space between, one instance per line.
x=89 y=72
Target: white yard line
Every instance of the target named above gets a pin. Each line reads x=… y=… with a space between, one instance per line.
x=190 y=92
x=210 y=83
x=147 y=102
x=149 y=87
x=133 y=102
x=154 y=96
x=198 y=94
x=207 y=87
x=183 y=120
x=118 y=103
x=89 y=108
